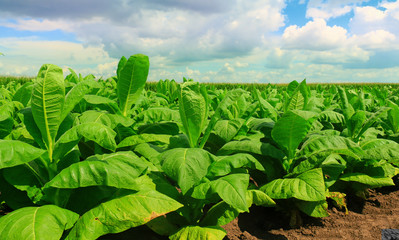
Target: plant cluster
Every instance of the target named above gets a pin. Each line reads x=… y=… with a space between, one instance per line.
x=81 y=158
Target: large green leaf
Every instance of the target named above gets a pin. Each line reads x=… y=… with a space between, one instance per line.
x=289 y=131
x=145 y=138
x=231 y=188
x=103 y=103
x=157 y=114
x=187 y=166
x=226 y=164
x=393 y=116
x=121 y=64
x=6 y=119
x=131 y=81
x=346 y=107
x=37 y=223
x=193 y=108
x=92 y=116
x=14 y=153
x=369 y=181
x=96 y=132
x=47 y=103
x=199 y=233
x=371 y=120
x=122 y=213
x=223 y=106
x=251 y=146
x=313 y=209
x=23 y=94
x=220 y=214
x=298 y=98
x=32 y=128
x=118 y=170
x=381 y=149
x=308 y=186
x=259 y=198
x=270 y=111
x=227 y=129
x=331 y=117
x=325 y=145
x=76 y=94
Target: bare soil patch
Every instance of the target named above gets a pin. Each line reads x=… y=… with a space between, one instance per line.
x=365 y=220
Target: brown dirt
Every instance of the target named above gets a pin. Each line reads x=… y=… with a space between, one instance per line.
x=365 y=220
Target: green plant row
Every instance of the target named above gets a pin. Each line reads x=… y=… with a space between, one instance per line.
x=81 y=158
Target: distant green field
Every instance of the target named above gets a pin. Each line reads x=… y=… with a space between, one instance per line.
x=4 y=80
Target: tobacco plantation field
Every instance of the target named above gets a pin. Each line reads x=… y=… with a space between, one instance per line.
x=87 y=158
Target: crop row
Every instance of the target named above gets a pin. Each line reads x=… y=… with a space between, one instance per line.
x=81 y=158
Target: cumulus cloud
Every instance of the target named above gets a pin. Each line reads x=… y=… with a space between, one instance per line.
x=315 y=35
x=224 y=40
x=65 y=54
x=184 y=31
x=368 y=18
x=327 y=9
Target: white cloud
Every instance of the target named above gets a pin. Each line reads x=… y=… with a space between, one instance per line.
x=378 y=39
x=367 y=19
x=327 y=13
x=369 y=14
x=183 y=31
x=315 y=35
x=34 y=53
x=224 y=41
x=327 y=9
x=392 y=8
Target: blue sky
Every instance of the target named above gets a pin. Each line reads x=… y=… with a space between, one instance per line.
x=265 y=41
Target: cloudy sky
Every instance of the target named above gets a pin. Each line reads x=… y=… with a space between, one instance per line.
x=209 y=40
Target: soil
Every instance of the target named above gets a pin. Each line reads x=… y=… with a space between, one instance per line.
x=365 y=220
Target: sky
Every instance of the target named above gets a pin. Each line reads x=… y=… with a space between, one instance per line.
x=256 y=41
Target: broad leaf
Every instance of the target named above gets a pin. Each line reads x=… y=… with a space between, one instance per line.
x=251 y=146
x=122 y=213
x=328 y=144
x=193 y=107
x=14 y=153
x=118 y=170
x=96 y=132
x=289 y=131
x=369 y=181
x=76 y=94
x=199 y=233
x=227 y=129
x=37 y=223
x=220 y=214
x=23 y=94
x=187 y=166
x=231 y=188
x=381 y=149
x=270 y=111
x=226 y=164
x=144 y=138
x=259 y=198
x=47 y=103
x=308 y=186
x=131 y=81
x=313 y=209
x=227 y=101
